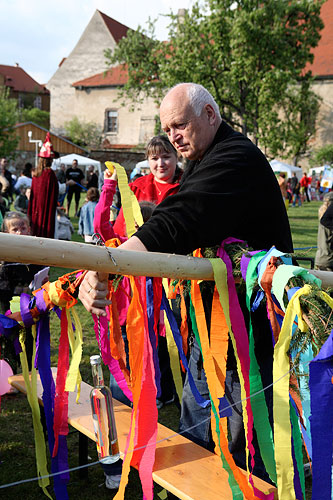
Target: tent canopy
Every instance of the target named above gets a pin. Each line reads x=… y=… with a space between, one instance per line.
x=318 y=170
x=83 y=162
x=279 y=166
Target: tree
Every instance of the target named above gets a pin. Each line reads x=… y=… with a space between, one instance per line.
x=323 y=156
x=8 y=118
x=250 y=55
x=37 y=116
x=86 y=134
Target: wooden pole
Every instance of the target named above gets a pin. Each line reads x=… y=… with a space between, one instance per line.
x=71 y=255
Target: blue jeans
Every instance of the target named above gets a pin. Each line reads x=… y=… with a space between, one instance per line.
x=194 y=415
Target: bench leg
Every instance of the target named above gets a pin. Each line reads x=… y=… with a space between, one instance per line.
x=83 y=455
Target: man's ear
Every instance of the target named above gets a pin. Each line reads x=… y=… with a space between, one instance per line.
x=211 y=115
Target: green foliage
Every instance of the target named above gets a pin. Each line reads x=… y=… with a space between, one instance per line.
x=322 y=156
x=250 y=55
x=37 y=116
x=87 y=134
x=8 y=118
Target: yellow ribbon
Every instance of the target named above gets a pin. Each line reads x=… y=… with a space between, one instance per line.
x=14 y=306
x=131 y=207
x=281 y=412
x=75 y=342
x=31 y=387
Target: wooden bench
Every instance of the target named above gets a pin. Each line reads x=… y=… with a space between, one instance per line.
x=183 y=468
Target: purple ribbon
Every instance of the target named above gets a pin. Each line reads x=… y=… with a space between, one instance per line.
x=59 y=462
x=245 y=262
x=152 y=334
x=321 y=420
x=40 y=302
x=25 y=310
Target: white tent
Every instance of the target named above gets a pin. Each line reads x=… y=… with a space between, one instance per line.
x=279 y=166
x=318 y=170
x=83 y=162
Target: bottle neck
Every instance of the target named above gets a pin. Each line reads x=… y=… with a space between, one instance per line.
x=97 y=373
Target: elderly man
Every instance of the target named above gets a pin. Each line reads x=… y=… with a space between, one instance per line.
x=228 y=189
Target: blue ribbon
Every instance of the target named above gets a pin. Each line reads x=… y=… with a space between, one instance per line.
x=178 y=339
x=81 y=186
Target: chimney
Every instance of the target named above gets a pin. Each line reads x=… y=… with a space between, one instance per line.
x=181 y=15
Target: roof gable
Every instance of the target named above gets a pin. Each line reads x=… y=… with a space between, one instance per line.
x=18 y=80
x=117 y=30
x=113 y=77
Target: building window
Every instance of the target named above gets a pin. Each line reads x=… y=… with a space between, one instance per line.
x=20 y=101
x=111 y=121
x=38 y=102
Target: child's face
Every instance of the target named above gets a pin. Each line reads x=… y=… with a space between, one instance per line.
x=18 y=226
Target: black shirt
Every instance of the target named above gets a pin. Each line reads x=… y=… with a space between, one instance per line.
x=75 y=174
x=232 y=191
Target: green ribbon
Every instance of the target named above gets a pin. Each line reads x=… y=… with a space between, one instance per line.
x=259 y=407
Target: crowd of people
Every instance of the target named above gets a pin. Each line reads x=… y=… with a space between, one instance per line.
x=296 y=191
x=227 y=189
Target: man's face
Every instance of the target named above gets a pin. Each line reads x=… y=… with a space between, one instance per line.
x=191 y=135
x=74 y=163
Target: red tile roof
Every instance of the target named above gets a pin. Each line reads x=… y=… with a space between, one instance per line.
x=16 y=78
x=116 y=29
x=115 y=76
x=323 y=62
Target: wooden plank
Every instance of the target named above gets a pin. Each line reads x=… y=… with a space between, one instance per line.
x=69 y=254
x=185 y=469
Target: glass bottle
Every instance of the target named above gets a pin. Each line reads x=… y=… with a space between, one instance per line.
x=103 y=415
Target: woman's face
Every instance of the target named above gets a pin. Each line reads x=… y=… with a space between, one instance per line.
x=163 y=166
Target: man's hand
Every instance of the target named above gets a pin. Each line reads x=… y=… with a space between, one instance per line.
x=93 y=292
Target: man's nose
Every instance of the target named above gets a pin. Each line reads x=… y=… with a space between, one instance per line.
x=174 y=135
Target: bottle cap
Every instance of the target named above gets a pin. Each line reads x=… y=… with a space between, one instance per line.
x=95 y=360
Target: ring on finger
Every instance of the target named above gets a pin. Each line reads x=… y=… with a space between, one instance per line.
x=90 y=289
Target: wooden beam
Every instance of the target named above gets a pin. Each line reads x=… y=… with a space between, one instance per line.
x=71 y=255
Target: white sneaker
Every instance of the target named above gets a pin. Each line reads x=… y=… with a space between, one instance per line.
x=112 y=482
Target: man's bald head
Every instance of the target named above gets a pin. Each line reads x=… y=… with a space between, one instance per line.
x=190 y=117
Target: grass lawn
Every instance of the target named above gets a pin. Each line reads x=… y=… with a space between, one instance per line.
x=17 y=454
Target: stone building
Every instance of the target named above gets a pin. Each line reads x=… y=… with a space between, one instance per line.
x=23 y=88
x=78 y=88
x=96 y=99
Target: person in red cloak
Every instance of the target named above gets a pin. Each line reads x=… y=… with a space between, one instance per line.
x=44 y=194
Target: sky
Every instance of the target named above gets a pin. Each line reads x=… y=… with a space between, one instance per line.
x=37 y=34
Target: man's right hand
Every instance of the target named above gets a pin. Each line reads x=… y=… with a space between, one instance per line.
x=93 y=292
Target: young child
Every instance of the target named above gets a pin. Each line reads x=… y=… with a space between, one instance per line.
x=86 y=221
x=14 y=280
x=64 y=227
